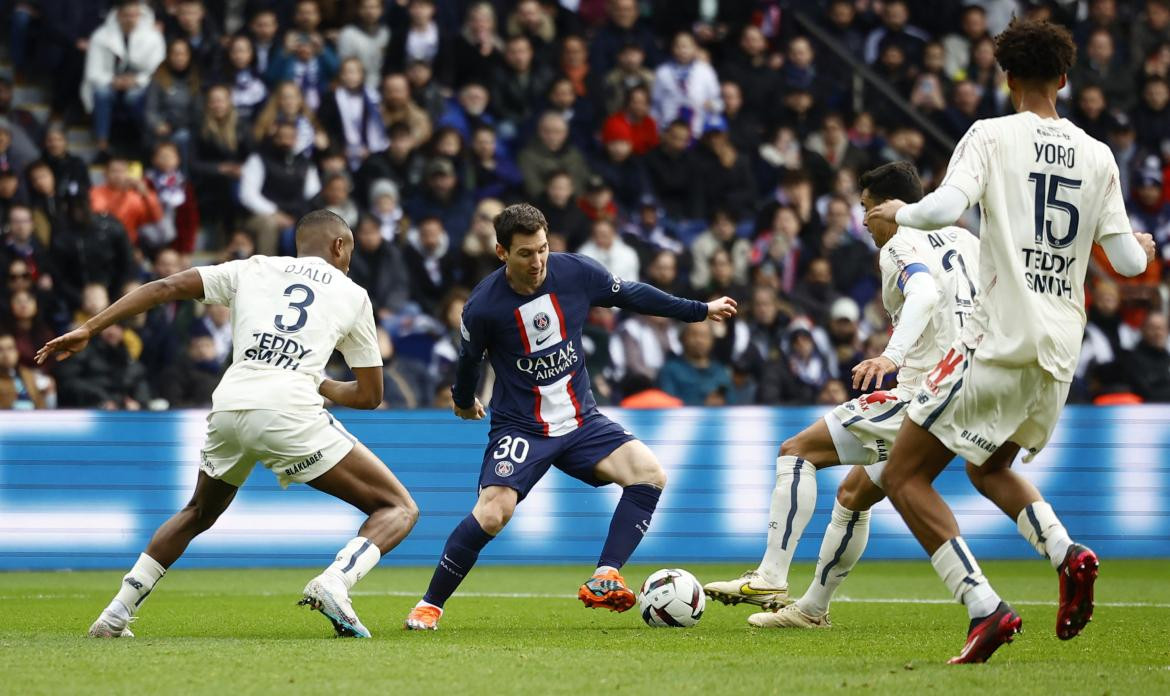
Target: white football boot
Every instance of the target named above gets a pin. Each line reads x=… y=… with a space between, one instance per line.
x=110 y=625
x=750 y=588
x=328 y=595
x=789 y=617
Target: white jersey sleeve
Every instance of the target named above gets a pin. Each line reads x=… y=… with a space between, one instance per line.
x=1114 y=219
x=360 y=345
x=220 y=282
x=967 y=170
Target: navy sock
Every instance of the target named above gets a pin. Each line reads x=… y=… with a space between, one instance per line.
x=631 y=520
x=459 y=555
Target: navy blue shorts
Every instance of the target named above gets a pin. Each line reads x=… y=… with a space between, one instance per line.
x=517 y=459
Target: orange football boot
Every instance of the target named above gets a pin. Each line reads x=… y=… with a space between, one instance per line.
x=423 y=618
x=607 y=589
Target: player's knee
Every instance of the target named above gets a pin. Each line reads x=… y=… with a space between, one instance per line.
x=978 y=477
x=849 y=496
x=646 y=469
x=201 y=517
x=790 y=447
x=409 y=512
x=494 y=515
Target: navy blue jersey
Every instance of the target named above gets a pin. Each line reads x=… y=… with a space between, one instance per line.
x=534 y=341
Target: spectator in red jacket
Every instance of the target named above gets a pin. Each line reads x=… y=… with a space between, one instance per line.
x=635 y=121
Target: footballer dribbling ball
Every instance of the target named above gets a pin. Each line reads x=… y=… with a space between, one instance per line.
x=671 y=597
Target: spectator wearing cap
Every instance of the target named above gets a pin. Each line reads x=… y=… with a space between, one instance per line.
x=559 y=205
x=1149 y=211
x=685 y=87
x=1122 y=140
x=517 y=86
x=845 y=339
x=549 y=152
x=1149 y=362
x=379 y=267
x=620 y=168
x=350 y=115
x=442 y=197
x=478 y=48
x=493 y=173
x=433 y=266
x=385 y=206
x=696 y=378
x=1151 y=118
x=605 y=246
x=629 y=73
x=622 y=27
x=121 y=57
x=673 y=171
x=366 y=39
x=275 y=187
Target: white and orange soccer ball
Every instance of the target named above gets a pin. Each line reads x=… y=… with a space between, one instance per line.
x=671 y=597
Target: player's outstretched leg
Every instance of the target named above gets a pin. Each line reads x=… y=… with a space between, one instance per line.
x=1075 y=564
x=492 y=511
x=844 y=542
x=633 y=467
x=794 y=498
x=210 y=499
x=363 y=481
x=918 y=457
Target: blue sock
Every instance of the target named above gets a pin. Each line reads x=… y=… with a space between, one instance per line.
x=631 y=520
x=459 y=555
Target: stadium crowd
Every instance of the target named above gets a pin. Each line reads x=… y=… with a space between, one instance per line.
x=707 y=147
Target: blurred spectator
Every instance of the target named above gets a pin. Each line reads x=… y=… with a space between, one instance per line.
x=275 y=186
x=179 y=224
x=743 y=128
x=674 y=175
x=248 y=90
x=216 y=322
x=478 y=48
x=641 y=346
x=1149 y=362
x=833 y=393
x=778 y=247
x=695 y=378
x=167 y=326
x=350 y=115
x=620 y=170
x=126 y=196
x=577 y=112
x=189 y=382
x=70 y=171
x=598 y=203
x=550 y=152
x=831 y=142
x=60 y=51
x=1150 y=29
x=287 y=107
x=11 y=158
x=845 y=339
x=432 y=264
x=606 y=247
x=193 y=26
x=640 y=393
x=814 y=294
x=493 y=173
x=635 y=120
x=405 y=380
x=262 y=29
x=441 y=197
x=45 y=199
x=400 y=163
x=335 y=197
x=622 y=28
x=957 y=46
x=121 y=57
x=21 y=388
x=479 y=245
x=629 y=73
x=517 y=86
x=685 y=87
x=750 y=67
x=1150 y=209
x=103 y=376
x=221 y=145
x=308 y=62
x=726 y=179
x=1151 y=118
x=530 y=20
x=21 y=244
x=93 y=248
x=720 y=235
x=378 y=267
x=24 y=128
x=398 y=106
x=428 y=93
x=366 y=40
x=446 y=352
x=808 y=368
x=1100 y=66
x=421 y=41
x=9 y=190
x=386 y=209
x=896 y=30
x=559 y=205
x=574 y=64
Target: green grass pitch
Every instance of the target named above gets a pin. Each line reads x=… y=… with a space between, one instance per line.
x=521 y=630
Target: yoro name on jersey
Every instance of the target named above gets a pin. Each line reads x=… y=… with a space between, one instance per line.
x=549 y=366
x=277 y=350
x=1048 y=272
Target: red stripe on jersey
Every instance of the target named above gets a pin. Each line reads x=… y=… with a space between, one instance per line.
x=536 y=409
x=523 y=334
x=560 y=315
x=573 y=398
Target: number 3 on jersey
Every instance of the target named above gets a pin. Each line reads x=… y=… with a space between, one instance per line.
x=298 y=306
x=1048 y=188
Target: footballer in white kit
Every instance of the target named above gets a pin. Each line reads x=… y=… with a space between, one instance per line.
x=928 y=288
x=288 y=315
x=1047 y=192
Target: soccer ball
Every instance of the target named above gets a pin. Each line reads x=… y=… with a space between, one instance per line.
x=671 y=597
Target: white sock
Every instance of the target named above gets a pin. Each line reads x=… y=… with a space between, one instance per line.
x=844 y=542
x=793 y=501
x=354 y=561
x=1043 y=530
x=961 y=574
x=604 y=569
x=136 y=585
x=424 y=603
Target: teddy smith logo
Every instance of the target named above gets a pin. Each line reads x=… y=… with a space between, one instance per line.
x=549 y=366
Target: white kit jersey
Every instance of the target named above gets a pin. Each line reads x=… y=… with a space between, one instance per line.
x=1046 y=192
x=288 y=315
x=951 y=256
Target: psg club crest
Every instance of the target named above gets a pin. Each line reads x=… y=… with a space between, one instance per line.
x=505 y=469
x=541 y=321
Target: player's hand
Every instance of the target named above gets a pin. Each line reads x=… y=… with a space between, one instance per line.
x=723 y=308
x=65 y=346
x=1147 y=242
x=875 y=369
x=886 y=210
x=474 y=412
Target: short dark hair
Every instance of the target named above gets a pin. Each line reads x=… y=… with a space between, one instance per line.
x=1040 y=51
x=518 y=219
x=316 y=220
x=894 y=180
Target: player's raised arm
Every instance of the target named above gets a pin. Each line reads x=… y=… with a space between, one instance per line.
x=187 y=285
x=608 y=290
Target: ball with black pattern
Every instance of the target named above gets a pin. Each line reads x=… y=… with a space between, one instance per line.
x=671 y=598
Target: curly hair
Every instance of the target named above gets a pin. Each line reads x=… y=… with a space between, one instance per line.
x=1040 y=51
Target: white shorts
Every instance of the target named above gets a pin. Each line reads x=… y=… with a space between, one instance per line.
x=863 y=429
x=973 y=407
x=297 y=447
